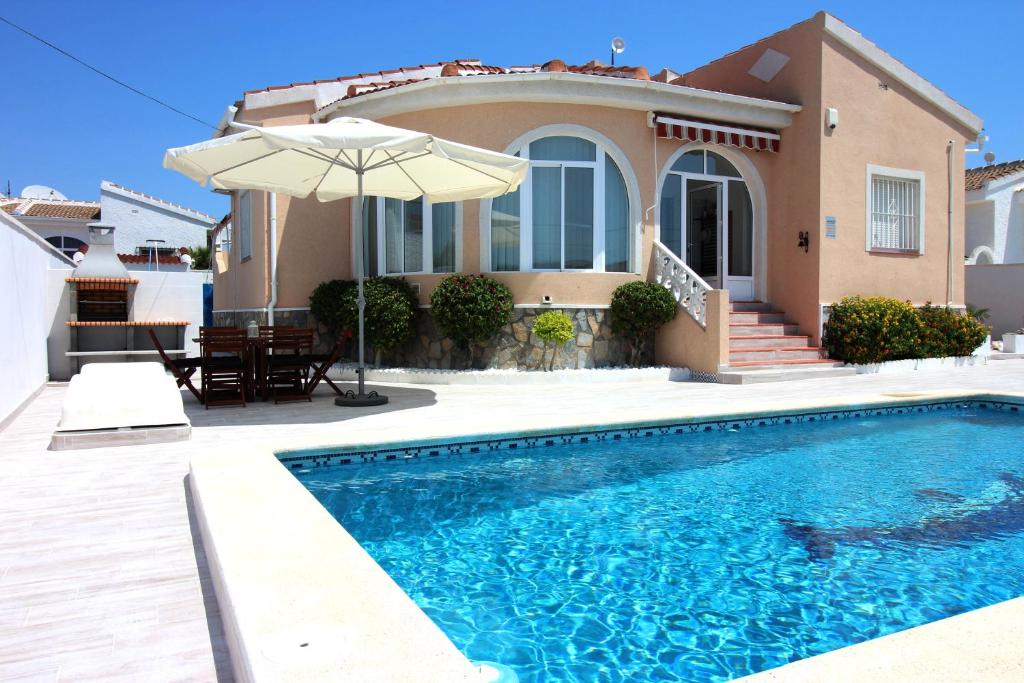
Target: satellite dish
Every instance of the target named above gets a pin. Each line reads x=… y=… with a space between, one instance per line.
x=989 y=157
x=618 y=45
x=41 y=192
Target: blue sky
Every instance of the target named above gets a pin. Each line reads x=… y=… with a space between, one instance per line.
x=64 y=126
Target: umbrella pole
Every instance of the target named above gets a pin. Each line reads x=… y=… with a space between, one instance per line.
x=361 y=398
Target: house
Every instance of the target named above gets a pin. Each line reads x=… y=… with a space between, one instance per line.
x=995 y=213
x=139 y=218
x=760 y=188
x=994 y=245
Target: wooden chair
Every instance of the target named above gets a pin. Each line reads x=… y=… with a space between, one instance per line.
x=181 y=368
x=321 y=364
x=224 y=365
x=287 y=364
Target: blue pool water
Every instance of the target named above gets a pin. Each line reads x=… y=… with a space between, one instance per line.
x=698 y=556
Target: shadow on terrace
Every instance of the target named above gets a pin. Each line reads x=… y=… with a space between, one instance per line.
x=319 y=411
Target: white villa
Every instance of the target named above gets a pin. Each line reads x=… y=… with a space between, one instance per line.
x=138 y=216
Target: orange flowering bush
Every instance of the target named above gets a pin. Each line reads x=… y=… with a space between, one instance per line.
x=872 y=330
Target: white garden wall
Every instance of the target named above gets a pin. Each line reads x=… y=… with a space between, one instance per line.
x=999 y=288
x=25 y=263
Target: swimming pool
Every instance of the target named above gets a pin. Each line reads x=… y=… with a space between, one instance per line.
x=702 y=555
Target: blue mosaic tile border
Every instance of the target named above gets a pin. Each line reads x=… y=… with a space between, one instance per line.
x=414 y=452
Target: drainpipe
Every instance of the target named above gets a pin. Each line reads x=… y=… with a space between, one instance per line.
x=272 y=304
x=949 y=223
x=273 y=258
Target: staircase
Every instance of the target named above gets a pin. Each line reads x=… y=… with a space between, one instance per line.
x=763 y=347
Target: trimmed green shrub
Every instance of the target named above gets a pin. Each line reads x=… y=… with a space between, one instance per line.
x=201 y=259
x=638 y=309
x=470 y=309
x=325 y=303
x=389 y=315
x=945 y=332
x=555 y=328
x=871 y=330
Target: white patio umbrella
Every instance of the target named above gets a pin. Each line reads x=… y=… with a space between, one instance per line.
x=349 y=157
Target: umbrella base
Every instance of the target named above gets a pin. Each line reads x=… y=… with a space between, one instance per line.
x=351 y=399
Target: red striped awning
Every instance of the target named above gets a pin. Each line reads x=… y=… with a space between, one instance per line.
x=712 y=132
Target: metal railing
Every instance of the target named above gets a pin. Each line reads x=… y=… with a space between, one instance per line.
x=688 y=289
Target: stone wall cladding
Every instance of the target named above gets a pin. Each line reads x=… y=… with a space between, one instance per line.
x=593 y=344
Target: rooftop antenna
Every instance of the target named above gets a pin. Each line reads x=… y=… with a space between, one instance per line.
x=989 y=157
x=618 y=46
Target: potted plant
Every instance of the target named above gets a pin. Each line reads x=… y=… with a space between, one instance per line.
x=1013 y=342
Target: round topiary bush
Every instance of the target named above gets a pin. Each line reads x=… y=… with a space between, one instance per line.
x=389 y=315
x=470 y=309
x=555 y=328
x=325 y=304
x=945 y=332
x=638 y=309
x=871 y=330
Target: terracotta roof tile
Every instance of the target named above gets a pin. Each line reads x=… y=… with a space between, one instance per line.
x=384 y=74
x=976 y=178
x=51 y=208
x=144 y=258
x=459 y=68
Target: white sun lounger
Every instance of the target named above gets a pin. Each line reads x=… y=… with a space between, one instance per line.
x=121 y=404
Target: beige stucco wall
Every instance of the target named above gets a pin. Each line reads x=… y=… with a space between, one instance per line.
x=792 y=177
x=821 y=173
x=890 y=127
x=683 y=343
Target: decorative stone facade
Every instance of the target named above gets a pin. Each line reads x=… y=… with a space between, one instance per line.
x=515 y=346
x=593 y=344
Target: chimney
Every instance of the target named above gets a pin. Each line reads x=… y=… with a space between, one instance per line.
x=101 y=260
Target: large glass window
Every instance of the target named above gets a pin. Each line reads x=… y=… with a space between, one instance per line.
x=572 y=213
x=244 y=225
x=405 y=237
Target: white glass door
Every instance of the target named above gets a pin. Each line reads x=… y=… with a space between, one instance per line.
x=703 y=233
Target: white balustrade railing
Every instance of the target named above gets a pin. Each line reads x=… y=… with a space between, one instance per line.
x=688 y=289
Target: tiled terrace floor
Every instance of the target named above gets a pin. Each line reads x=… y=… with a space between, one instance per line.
x=101 y=573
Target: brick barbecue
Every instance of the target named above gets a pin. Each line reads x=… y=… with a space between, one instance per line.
x=101 y=321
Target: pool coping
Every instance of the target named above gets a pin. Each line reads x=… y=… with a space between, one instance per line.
x=285 y=572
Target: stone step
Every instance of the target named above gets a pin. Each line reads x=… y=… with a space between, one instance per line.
x=768 y=341
x=757 y=317
x=761 y=329
x=749 y=306
x=782 y=363
x=783 y=373
x=775 y=354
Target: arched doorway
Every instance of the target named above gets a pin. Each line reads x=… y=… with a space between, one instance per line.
x=707 y=218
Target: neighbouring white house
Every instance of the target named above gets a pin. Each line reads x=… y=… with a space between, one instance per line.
x=140 y=220
x=994 y=243
x=995 y=213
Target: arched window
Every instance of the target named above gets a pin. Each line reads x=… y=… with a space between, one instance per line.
x=572 y=213
x=68 y=245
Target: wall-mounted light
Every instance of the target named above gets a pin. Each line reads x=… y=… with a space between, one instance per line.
x=804 y=241
x=832 y=118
